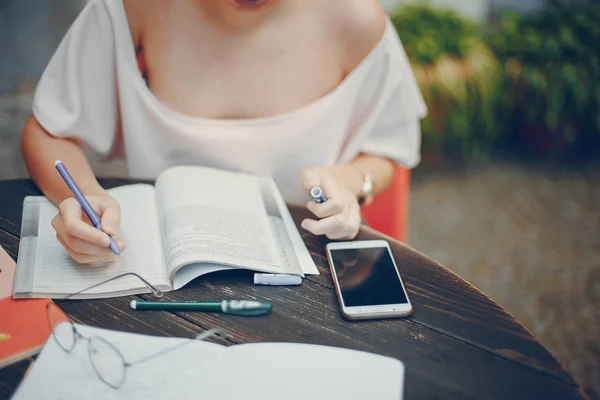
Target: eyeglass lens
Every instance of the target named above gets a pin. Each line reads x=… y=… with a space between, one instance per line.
x=61 y=327
x=107 y=361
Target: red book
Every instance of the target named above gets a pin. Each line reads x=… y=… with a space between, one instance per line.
x=24 y=327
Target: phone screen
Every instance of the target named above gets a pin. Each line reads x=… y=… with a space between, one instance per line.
x=367 y=277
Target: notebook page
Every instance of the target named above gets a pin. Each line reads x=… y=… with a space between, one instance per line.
x=56 y=273
x=303 y=371
x=214 y=216
x=183 y=373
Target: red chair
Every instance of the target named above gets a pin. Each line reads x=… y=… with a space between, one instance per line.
x=388 y=213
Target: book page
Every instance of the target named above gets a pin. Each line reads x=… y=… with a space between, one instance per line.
x=215 y=217
x=56 y=274
x=292 y=251
x=189 y=272
x=185 y=369
x=304 y=371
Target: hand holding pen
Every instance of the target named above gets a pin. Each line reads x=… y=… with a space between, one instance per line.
x=87 y=243
x=334 y=204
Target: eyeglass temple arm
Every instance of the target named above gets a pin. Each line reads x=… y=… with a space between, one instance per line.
x=155 y=291
x=214 y=331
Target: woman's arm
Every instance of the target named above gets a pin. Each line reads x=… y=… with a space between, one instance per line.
x=380 y=169
x=360 y=26
x=40 y=150
x=84 y=243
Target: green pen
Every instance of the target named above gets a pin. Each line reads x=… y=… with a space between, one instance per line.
x=236 y=307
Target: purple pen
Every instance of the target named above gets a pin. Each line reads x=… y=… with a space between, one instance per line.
x=87 y=207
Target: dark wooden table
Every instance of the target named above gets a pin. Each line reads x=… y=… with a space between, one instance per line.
x=457 y=344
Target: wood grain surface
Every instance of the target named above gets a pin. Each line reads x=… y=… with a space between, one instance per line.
x=458 y=343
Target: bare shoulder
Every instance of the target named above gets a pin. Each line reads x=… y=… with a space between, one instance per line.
x=358 y=25
x=142 y=13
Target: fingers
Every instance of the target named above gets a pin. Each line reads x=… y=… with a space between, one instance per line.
x=110 y=212
x=339 y=215
x=84 y=258
x=320 y=177
x=310 y=178
x=330 y=207
x=79 y=245
x=324 y=226
x=330 y=188
x=354 y=222
x=71 y=214
x=82 y=241
x=344 y=225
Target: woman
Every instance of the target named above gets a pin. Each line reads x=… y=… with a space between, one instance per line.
x=310 y=92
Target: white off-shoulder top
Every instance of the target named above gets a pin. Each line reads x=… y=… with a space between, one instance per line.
x=92 y=90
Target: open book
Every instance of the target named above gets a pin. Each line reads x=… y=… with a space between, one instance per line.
x=194 y=369
x=194 y=221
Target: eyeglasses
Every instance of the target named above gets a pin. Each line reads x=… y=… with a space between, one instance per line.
x=107 y=360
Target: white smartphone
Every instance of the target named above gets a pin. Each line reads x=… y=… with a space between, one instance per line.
x=367 y=280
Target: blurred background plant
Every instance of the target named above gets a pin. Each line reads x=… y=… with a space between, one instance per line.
x=551 y=63
x=459 y=77
x=524 y=83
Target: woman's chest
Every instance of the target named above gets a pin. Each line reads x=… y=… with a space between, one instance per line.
x=210 y=78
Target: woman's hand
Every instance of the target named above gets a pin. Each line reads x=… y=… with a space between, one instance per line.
x=340 y=215
x=85 y=243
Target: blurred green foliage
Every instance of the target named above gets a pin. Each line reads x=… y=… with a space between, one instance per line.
x=527 y=79
x=551 y=64
x=459 y=78
x=429 y=33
